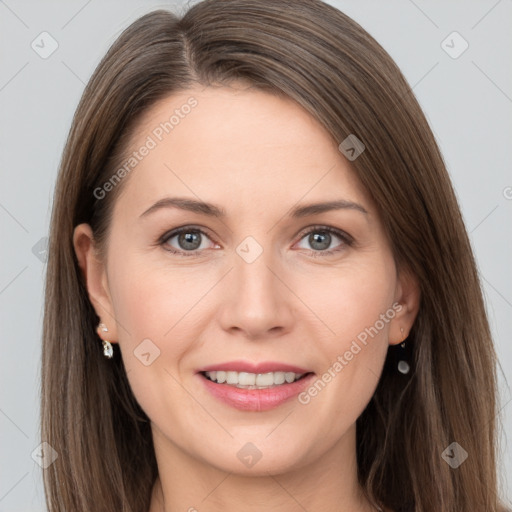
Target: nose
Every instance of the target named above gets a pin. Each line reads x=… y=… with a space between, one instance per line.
x=256 y=300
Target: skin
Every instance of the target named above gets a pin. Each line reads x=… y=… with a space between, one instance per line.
x=256 y=156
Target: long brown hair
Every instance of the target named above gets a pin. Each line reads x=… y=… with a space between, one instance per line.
x=314 y=54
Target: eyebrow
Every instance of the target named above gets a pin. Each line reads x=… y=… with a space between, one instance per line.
x=212 y=210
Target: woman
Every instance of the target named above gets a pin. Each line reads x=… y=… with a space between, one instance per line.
x=260 y=289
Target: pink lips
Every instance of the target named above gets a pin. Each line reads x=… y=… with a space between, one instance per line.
x=256 y=400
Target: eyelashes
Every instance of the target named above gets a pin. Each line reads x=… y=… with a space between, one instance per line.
x=194 y=233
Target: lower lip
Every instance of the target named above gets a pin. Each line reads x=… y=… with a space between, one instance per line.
x=255 y=399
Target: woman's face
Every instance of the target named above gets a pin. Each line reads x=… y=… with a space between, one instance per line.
x=255 y=278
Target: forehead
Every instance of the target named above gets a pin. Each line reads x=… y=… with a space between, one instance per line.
x=235 y=143
x=234 y=117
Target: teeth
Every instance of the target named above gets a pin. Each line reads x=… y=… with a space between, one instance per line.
x=245 y=379
x=253 y=380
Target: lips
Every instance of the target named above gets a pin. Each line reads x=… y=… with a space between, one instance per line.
x=255 y=400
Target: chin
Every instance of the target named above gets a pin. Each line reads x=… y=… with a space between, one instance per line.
x=246 y=459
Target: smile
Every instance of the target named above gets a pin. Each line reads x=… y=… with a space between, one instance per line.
x=245 y=380
x=269 y=390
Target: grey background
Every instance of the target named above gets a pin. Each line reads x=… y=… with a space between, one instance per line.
x=468 y=101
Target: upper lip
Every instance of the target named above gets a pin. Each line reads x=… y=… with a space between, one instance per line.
x=246 y=366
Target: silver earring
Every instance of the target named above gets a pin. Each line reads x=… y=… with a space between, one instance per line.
x=403 y=366
x=108 y=349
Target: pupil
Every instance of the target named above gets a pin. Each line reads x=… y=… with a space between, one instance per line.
x=189 y=240
x=321 y=238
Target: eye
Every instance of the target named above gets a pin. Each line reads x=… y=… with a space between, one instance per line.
x=320 y=238
x=190 y=241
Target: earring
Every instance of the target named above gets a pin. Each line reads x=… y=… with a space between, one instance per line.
x=108 y=349
x=403 y=366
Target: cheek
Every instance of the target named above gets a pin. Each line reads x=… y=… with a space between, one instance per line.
x=151 y=304
x=357 y=308
x=351 y=298
x=152 y=299
x=160 y=315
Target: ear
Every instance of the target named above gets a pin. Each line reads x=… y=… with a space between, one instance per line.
x=95 y=277
x=408 y=295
